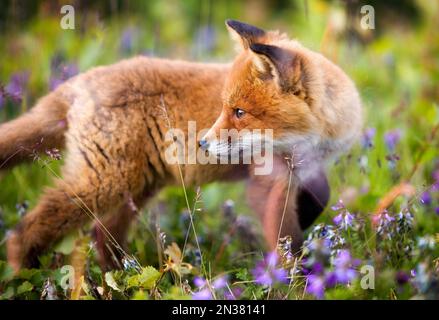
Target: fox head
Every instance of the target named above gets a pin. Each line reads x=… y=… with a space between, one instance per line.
x=272 y=85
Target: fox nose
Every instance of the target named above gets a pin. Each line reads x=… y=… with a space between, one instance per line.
x=203 y=144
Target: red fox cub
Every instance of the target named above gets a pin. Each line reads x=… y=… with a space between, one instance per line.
x=113 y=123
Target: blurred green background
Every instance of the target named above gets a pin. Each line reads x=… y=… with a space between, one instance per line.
x=395 y=66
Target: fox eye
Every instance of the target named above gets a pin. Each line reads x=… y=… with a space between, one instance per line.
x=239 y=113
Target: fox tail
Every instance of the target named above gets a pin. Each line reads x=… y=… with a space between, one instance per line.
x=36 y=131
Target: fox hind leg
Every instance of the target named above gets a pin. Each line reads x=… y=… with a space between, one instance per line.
x=60 y=210
x=112 y=240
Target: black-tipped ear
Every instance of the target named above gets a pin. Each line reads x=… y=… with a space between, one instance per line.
x=245 y=33
x=278 y=57
x=285 y=66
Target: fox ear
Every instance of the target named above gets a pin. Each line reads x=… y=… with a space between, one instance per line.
x=285 y=67
x=243 y=33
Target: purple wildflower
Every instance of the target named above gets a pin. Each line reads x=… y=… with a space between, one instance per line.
x=338 y=219
x=436 y=210
x=267 y=273
x=17 y=85
x=203 y=294
x=235 y=294
x=319 y=247
x=344 y=220
x=54 y=154
x=367 y=139
x=317 y=268
x=199 y=282
x=316 y=285
x=219 y=283
x=392 y=138
x=328 y=238
x=383 y=218
x=205 y=39
x=402 y=277
x=425 y=198
x=338 y=206
x=127 y=39
x=343 y=268
x=285 y=250
x=204 y=291
x=383 y=222
x=60 y=72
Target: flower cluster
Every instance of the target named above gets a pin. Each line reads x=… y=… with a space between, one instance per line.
x=391 y=140
x=330 y=235
x=61 y=71
x=430 y=197
x=267 y=272
x=384 y=221
x=205 y=39
x=367 y=138
x=394 y=227
x=284 y=249
x=344 y=219
x=54 y=154
x=15 y=89
x=321 y=275
x=344 y=269
x=394 y=234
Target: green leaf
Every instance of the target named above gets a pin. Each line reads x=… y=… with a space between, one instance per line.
x=27 y=274
x=146 y=279
x=109 y=279
x=66 y=245
x=175 y=293
x=8 y=294
x=25 y=287
x=6 y=272
x=140 y=295
x=243 y=275
x=149 y=277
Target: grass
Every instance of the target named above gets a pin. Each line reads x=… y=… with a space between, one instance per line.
x=218 y=251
